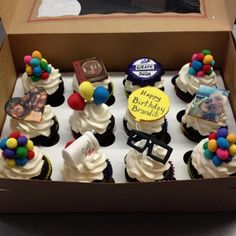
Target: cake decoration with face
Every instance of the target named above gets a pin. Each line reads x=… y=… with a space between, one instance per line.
x=29 y=108
x=209 y=103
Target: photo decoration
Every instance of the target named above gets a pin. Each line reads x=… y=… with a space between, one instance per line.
x=201 y=64
x=90 y=69
x=209 y=103
x=149 y=145
x=87 y=93
x=28 y=108
x=37 y=67
x=17 y=149
x=220 y=147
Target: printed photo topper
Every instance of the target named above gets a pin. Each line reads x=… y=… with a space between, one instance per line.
x=209 y=103
x=28 y=108
x=90 y=69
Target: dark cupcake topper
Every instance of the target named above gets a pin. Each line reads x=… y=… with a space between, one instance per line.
x=144 y=71
x=150 y=142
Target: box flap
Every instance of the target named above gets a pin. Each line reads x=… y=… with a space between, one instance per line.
x=7 y=9
x=213 y=17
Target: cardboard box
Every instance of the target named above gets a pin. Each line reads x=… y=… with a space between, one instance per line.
x=117 y=39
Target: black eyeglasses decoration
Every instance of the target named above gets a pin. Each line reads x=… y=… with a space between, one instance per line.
x=150 y=142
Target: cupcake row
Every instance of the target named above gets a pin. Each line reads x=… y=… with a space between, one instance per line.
x=144 y=122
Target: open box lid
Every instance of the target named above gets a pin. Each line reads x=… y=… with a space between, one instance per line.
x=21 y=17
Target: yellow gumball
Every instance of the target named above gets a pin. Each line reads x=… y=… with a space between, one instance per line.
x=86 y=90
x=10 y=163
x=231 y=138
x=29 y=145
x=37 y=54
x=212 y=145
x=11 y=143
x=43 y=59
x=207 y=59
x=28 y=70
x=232 y=150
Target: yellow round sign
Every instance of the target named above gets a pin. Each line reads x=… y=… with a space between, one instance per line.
x=148 y=104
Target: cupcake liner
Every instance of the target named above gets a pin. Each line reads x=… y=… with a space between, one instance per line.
x=105 y=139
x=186 y=97
x=162 y=135
x=111 y=99
x=52 y=139
x=180 y=115
x=57 y=98
x=107 y=172
x=46 y=170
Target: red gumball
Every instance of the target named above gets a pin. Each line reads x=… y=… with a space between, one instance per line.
x=14 y=134
x=44 y=75
x=212 y=135
x=206 y=68
x=76 y=102
x=69 y=143
x=200 y=56
x=30 y=155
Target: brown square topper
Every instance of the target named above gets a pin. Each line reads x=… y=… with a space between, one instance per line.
x=117 y=40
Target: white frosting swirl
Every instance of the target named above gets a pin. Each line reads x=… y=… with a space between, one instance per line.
x=204 y=127
x=34 y=129
x=143 y=168
x=206 y=168
x=130 y=87
x=92 y=118
x=50 y=85
x=31 y=169
x=144 y=126
x=104 y=83
x=88 y=170
x=189 y=83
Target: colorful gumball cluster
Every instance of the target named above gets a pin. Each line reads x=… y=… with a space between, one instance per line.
x=221 y=147
x=17 y=150
x=87 y=93
x=37 y=67
x=201 y=64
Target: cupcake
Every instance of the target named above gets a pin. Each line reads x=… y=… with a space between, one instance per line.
x=38 y=73
x=20 y=159
x=213 y=157
x=84 y=162
x=146 y=112
x=30 y=116
x=143 y=72
x=94 y=71
x=205 y=114
x=147 y=161
x=91 y=113
x=198 y=72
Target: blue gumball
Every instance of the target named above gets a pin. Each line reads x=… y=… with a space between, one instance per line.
x=208 y=154
x=197 y=65
x=223 y=143
x=216 y=161
x=100 y=95
x=49 y=69
x=3 y=144
x=37 y=71
x=21 y=161
x=34 y=62
x=191 y=71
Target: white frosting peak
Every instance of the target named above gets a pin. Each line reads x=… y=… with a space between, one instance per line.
x=189 y=83
x=31 y=169
x=143 y=168
x=92 y=118
x=50 y=85
x=83 y=162
x=206 y=168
